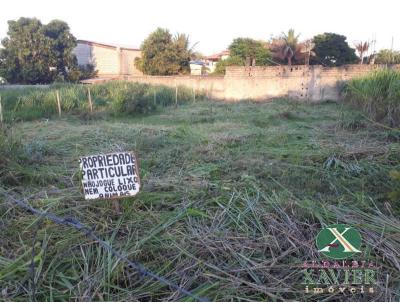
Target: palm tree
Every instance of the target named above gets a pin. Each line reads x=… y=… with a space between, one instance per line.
x=285 y=47
x=362 y=48
x=291 y=40
x=183 y=51
x=305 y=49
x=182 y=43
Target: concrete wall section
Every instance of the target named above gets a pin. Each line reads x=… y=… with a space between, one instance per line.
x=298 y=82
x=106 y=60
x=260 y=83
x=128 y=57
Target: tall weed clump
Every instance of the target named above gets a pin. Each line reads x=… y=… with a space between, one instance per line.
x=133 y=98
x=378 y=94
x=37 y=104
x=10 y=156
x=116 y=97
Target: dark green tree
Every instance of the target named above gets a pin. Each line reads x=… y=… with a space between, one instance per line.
x=63 y=44
x=333 y=50
x=34 y=53
x=163 y=54
x=27 y=55
x=184 y=51
x=251 y=51
x=245 y=51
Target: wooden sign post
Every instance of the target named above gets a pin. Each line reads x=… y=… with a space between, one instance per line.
x=110 y=176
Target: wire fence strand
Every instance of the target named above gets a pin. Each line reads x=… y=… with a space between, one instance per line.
x=76 y=224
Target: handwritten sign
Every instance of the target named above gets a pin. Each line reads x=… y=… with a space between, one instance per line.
x=113 y=175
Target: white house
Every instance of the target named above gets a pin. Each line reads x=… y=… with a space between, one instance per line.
x=196 y=67
x=211 y=61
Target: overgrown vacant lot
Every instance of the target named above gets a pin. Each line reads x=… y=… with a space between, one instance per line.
x=233 y=196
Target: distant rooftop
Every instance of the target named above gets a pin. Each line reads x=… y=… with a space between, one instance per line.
x=217 y=56
x=105 y=45
x=196 y=62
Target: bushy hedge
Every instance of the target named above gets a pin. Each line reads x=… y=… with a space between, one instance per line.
x=378 y=94
x=116 y=98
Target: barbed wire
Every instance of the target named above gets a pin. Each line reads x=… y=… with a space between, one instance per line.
x=76 y=224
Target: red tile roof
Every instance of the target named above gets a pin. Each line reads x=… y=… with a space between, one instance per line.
x=217 y=56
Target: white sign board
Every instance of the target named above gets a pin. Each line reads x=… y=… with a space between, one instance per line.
x=113 y=175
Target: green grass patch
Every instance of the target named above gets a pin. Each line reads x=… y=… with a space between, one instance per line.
x=233 y=196
x=378 y=94
x=115 y=98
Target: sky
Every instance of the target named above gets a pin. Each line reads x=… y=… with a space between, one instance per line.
x=213 y=24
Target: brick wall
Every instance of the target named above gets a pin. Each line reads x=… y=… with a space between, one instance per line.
x=260 y=83
x=301 y=70
x=300 y=82
x=128 y=57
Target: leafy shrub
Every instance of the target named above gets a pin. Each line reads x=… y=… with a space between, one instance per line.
x=378 y=94
x=220 y=68
x=83 y=72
